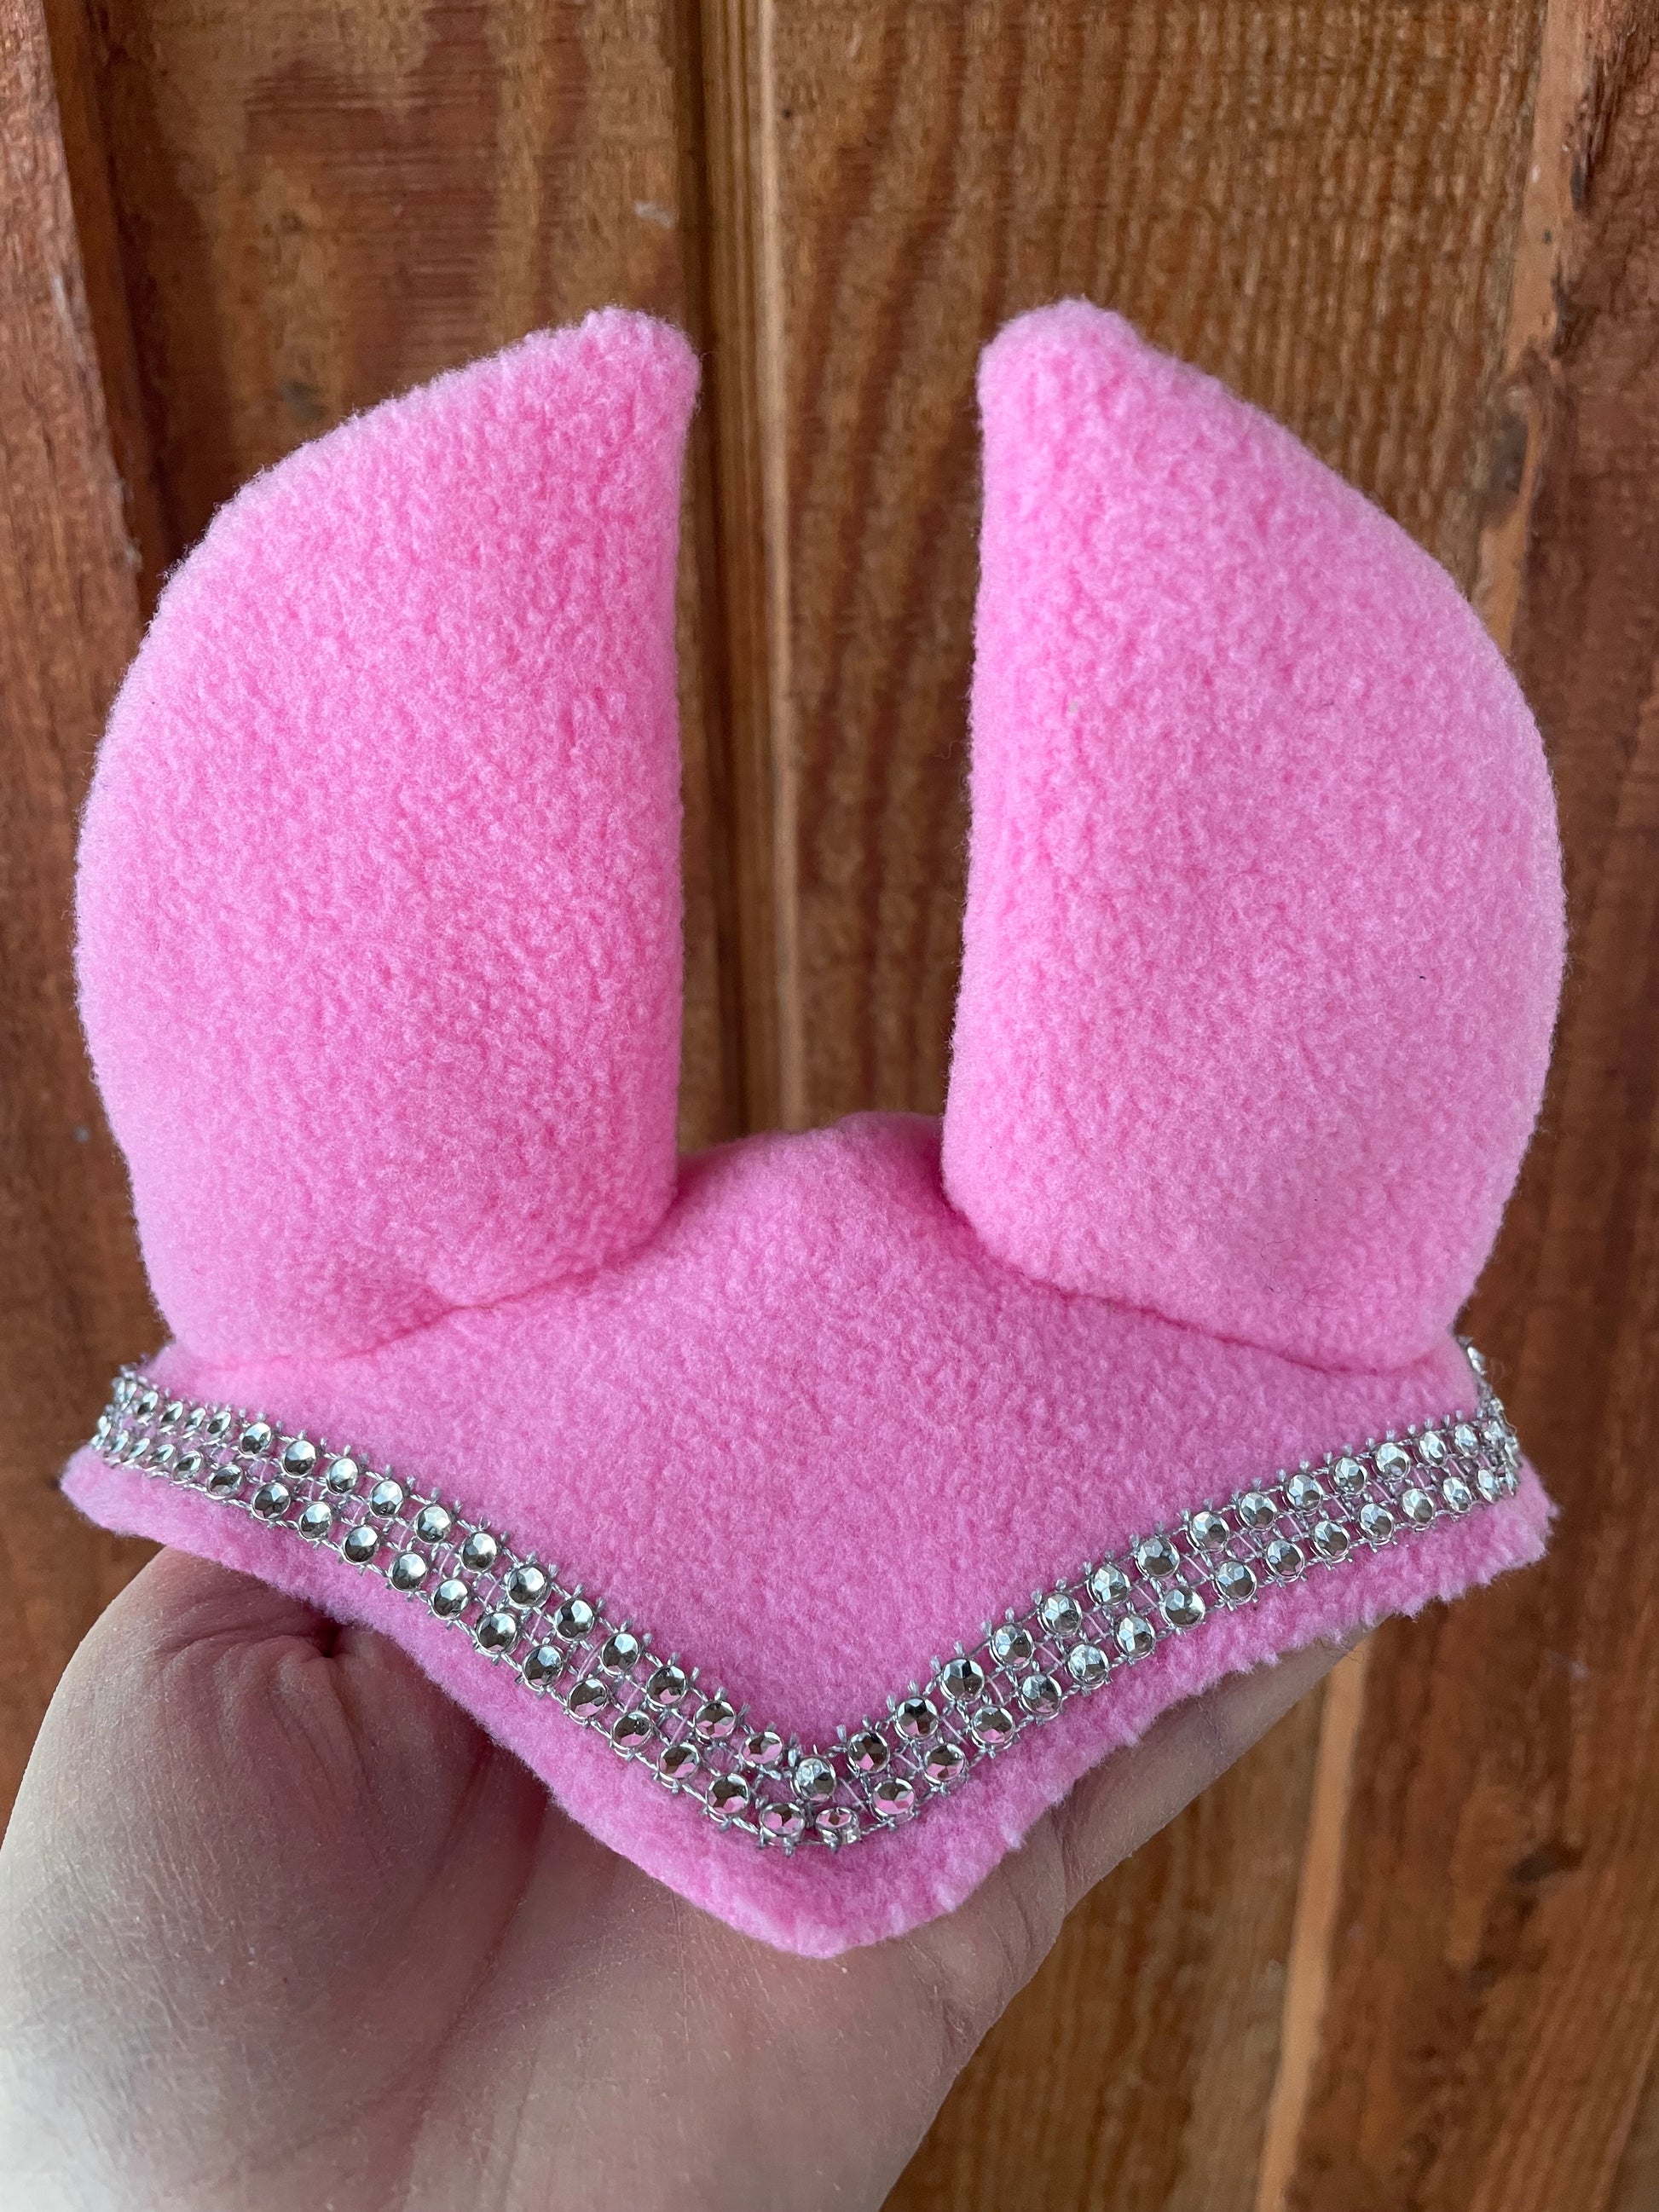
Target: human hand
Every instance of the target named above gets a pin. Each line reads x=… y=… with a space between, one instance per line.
x=280 y=1928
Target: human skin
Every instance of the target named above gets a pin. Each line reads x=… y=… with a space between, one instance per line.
x=280 y=1928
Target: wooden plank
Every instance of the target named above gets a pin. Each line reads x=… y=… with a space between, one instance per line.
x=1321 y=206
x=1490 y=2037
x=1317 y=202
x=320 y=205
x=72 y=1300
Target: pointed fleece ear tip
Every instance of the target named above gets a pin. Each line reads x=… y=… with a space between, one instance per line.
x=378 y=890
x=1057 y=338
x=1264 y=928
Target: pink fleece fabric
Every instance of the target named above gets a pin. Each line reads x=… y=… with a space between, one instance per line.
x=404 y=1170
x=1264 y=928
x=380 y=916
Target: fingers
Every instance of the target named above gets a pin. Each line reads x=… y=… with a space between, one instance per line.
x=1113 y=1811
x=179 y=1600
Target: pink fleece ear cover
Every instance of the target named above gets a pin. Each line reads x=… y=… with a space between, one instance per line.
x=378 y=915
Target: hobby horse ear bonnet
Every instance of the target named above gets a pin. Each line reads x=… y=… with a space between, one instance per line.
x=810 y=1513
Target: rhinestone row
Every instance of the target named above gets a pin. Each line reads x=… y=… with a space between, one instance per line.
x=566 y=1646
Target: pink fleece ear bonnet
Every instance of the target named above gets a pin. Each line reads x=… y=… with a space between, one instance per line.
x=812 y=1513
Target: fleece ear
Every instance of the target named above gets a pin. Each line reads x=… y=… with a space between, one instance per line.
x=1264 y=931
x=378 y=901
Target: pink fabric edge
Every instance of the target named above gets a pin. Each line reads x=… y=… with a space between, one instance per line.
x=813 y=1904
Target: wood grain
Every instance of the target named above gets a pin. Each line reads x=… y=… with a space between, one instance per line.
x=321 y=205
x=1318 y=203
x=1322 y=207
x=1492 y=2029
x=72 y=1300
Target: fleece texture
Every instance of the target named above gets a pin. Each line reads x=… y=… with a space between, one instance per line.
x=396 y=1087
x=1264 y=925
x=380 y=914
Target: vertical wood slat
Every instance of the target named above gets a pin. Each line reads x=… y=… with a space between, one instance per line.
x=1491 y=2032
x=72 y=1295
x=322 y=205
x=937 y=170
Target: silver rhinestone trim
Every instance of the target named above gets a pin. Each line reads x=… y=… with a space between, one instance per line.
x=605 y=1673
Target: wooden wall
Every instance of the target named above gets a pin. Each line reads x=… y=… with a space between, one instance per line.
x=1405 y=1955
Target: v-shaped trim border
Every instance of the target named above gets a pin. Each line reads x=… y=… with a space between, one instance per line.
x=599 y=1670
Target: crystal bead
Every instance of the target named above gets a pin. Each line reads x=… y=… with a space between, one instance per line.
x=837 y=1824
x=1156 y=1556
x=632 y=1731
x=1087 y=1664
x=867 y=1752
x=219 y=1426
x=1376 y=1523
x=1284 y=1558
x=196 y=1421
x=669 y=1684
x=256 y=1437
x=814 y=1781
x=272 y=1498
x=574 y=1617
x=433 y=1525
x=409 y=1570
x=526 y=1587
x=1208 y=1531
x=994 y=1725
x=386 y=1498
x=787 y=1822
x=1490 y=1484
x=728 y=1793
x=164 y=1457
x=479 y=1552
x=545 y=1662
x=1183 y=1607
x=1418 y=1506
x=765 y=1748
x=1464 y=1439
x=224 y=1478
x=714 y=1719
x=173 y=1413
x=190 y=1465
x=893 y=1796
x=317 y=1520
x=1256 y=1509
x=1391 y=1462
x=1109 y=1585
x=1011 y=1646
x=1348 y=1475
x=588 y=1697
x=1060 y=1615
x=677 y=1760
x=300 y=1457
x=621 y=1651
x=1331 y=1539
x=139 y=1456
x=962 y=1680
x=1042 y=1695
x=1456 y=1493
x=360 y=1545
x=943 y=1763
x=1431 y=1448
x=1135 y=1634
x=343 y=1473
x=450 y=1598
x=497 y=1632
x=916 y=1716
x=1234 y=1581
x=150 y=1405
